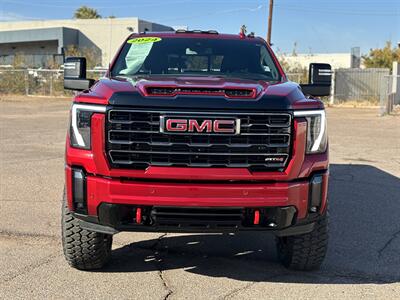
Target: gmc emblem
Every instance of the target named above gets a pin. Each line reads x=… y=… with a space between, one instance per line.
x=199 y=125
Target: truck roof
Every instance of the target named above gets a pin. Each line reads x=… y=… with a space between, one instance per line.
x=209 y=34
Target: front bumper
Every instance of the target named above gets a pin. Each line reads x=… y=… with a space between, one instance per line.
x=275 y=199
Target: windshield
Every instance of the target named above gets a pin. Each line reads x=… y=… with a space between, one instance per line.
x=195 y=57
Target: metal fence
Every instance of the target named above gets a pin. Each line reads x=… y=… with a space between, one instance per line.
x=375 y=86
x=34 y=60
x=49 y=82
x=359 y=84
x=40 y=82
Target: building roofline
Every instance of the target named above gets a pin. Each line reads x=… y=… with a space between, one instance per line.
x=70 y=20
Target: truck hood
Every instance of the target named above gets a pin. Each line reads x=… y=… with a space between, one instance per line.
x=198 y=92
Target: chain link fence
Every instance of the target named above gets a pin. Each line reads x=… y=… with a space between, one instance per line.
x=374 y=86
x=33 y=60
x=49 y=82
x=37 y=82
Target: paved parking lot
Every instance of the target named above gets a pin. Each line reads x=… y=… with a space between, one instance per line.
x=363 y=259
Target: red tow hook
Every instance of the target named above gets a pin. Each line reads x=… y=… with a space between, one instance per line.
x=138 y=215
x=256 y=217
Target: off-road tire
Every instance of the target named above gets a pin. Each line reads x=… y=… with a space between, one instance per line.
x=304 y=252
x=83 y=249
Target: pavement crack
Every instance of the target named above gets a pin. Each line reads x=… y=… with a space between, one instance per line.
x=358 y=277
x=26 y=235
x=10 y=162
x=160 y=269
x=238 y=290
x=29 y=269
x=360 y=159
x=23 y=200
x=388 y=242
x=161 y=274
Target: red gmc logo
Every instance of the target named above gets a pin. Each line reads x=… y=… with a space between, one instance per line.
x=199 y=125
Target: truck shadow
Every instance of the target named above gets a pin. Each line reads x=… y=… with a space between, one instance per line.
x=364 y=240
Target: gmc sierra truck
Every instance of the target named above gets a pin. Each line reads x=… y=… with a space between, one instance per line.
x=195 y=131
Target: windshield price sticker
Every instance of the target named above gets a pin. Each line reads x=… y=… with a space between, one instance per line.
x=144 y=40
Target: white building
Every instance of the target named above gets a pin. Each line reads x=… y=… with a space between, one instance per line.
x=51 y=37
x=336 y=60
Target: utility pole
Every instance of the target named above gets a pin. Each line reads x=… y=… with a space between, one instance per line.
x=271 y=6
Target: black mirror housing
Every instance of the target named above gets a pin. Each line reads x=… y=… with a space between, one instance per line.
x=75 y=74
x=75 y=68
x=78 y=84
x=320 y=74
x=319 y=80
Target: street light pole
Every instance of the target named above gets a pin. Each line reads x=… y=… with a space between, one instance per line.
x=271 y=6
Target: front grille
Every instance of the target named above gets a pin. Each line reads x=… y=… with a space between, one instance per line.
x=134 y=141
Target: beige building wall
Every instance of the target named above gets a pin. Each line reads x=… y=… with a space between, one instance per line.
x=336 y=60
x=105 y=34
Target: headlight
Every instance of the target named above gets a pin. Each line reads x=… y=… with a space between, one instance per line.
x=317 y=137
x=81 y=115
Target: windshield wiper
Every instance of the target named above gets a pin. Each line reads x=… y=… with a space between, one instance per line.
x=135 y=77
x=252 y=76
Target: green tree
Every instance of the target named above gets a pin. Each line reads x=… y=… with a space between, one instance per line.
x=382 y=58
x=85 y=12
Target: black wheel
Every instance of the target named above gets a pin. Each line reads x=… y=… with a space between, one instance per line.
x=306 y=251
x=83 y=249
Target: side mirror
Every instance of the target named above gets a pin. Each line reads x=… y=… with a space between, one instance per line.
x=75 y=74
x=319 y=80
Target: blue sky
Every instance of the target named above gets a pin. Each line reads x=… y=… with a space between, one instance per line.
x=317 y=26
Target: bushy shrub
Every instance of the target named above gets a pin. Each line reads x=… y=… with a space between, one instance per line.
x=13 y=82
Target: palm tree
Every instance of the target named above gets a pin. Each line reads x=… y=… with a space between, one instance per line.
x=85 y=12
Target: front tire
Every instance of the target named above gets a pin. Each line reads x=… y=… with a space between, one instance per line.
x=83 y=249
x=304 y=252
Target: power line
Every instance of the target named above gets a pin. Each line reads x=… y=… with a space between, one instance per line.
x=284 y=6
x=228 y=11
x=339 y=12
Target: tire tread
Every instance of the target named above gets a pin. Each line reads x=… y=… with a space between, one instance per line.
x=83 y=249
x=307 y=251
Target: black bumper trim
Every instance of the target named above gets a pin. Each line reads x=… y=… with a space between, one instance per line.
x=97 y=227
x=295 y=230
x=92 y=223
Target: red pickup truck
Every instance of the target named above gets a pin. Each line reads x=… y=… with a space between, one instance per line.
x=195 y=131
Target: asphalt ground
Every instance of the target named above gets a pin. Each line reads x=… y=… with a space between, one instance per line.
x=363 y=260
